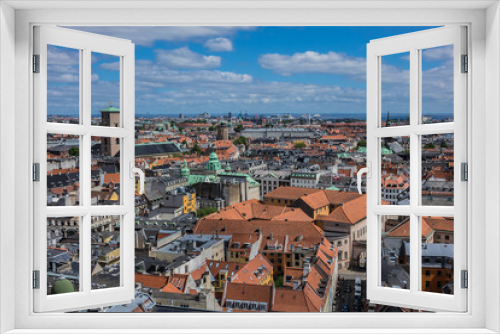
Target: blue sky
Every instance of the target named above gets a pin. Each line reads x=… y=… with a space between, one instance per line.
x=260 y=70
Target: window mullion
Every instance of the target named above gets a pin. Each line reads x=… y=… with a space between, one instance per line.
x=414 y=169
x=86 y=174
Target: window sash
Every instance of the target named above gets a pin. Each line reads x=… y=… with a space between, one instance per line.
x=86 y=43
x=413 y=42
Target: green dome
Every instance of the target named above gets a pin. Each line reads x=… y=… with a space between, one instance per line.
x=62 y=286
x=185 y=172
x=213 y=162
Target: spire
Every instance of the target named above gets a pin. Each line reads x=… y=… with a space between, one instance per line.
x=388 y=116
x=185 y=171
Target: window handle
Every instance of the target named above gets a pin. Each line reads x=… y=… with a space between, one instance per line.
x=134 y=170
x=368 y=172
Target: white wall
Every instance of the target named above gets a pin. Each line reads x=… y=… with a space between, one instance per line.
x=7 y=159
x=492 y=159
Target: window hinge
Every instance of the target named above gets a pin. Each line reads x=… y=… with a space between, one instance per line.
x=464 y=171
x=36 y=63
x=36 y=172
x=465 y=279
x=36 y=279
x=465 y=64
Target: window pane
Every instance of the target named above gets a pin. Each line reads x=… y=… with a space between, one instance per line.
x=63 y=258
x=105 y=171
x=437 y=254
x=63 y=85
x=395 y=82
x=437 y=170
x=395 y=269
x=105 y=251
x=395 y=168
x=437 y=84
x=63 y=170
x=105 y=90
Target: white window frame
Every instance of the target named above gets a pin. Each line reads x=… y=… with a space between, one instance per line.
x=414 y=43
x=124 y=50
x=483 y=20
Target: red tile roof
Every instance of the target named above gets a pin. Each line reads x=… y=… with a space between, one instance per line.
x=248 y=292
x=350 y=212
x=151 y=281
x=255 y=271
x=429 y=225
x=254 y=209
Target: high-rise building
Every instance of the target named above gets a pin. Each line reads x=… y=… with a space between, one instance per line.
x=110 y=117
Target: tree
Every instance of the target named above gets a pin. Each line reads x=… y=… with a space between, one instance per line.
x=205 y=211
x=184 y=142
x=196 y=149
x=299 y=144
x=240 y=140
x=429 y=146
x=361 y=143
x=278 y=282
x=211 y=128
x=444 y=145
x=198 y=129
x=269 y=125
x=238 y=128
x=74 y=151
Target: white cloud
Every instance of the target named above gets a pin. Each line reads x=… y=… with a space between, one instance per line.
x=154 y=74
x=314 y=62
x=147 y=35
x=115 y=66
x=219 y=44
x=439 y=53
x=184 y=58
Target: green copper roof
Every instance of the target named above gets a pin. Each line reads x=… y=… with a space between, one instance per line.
x=362 y=149
x=343 y=155
x=213 y=162
x=248 y=178
x=332 y=188
x=110 y=109
x=193 y=179
x=385 y=151
x=62 y=286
